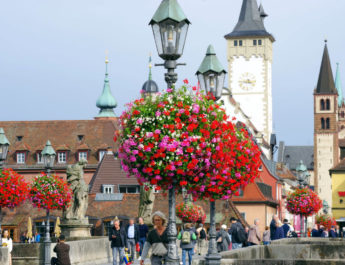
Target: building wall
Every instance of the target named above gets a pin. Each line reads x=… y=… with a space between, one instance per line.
x=338 y=185
x=252 y=62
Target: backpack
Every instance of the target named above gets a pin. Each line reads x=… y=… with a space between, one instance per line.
x=202 y=234
x=241 y=235
x=185 y=237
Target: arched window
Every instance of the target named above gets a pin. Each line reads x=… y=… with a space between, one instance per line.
x=327 y=123
x=342 y=114
x=328 y=104
x=322 y=104
x=322 y=123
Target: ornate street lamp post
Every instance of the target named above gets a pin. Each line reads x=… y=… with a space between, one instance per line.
x=48 y=156
x=302 y=175
x=4 y=144
x=211 y=76
x=170 y=27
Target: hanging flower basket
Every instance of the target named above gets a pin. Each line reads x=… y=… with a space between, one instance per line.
x=326 y=220
x=183 y=136
x=303 y=202
x=50 y=192
x=190 y=213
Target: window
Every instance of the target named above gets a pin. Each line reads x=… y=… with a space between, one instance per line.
x=328 y=104
x=129 y=189
x=342 y=114
x=260 y=42
x=243 y=215
x=327 y=123
x=82 y=155
x=255 y=42
x=240 y=43
x=322 y=123
x=62 y=157
x=108 y=189
x=235 y=43
x=322 y=104
x=101 y=153
x=39 y=157
x=260 y=168
x=80 y=137
x=21 y=158
x=19 y=138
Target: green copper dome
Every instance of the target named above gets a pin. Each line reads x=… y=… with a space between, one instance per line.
x=338 y=87
x=106 y=102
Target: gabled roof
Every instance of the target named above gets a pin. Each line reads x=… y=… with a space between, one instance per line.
x=325 y=84
x=250 y=22
x=292 y=155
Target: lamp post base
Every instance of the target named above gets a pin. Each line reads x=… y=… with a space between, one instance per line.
x=213 y=259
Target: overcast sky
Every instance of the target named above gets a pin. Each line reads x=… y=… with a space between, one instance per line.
x=52 y=54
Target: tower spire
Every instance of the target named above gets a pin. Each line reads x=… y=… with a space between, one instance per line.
x=106 y=102
x=338 y=87
x=325 y=84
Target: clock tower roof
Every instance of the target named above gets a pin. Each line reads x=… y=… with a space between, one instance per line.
x=325 y=84
x=250 y=22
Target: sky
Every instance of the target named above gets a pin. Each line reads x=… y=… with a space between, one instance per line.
x=52 y=54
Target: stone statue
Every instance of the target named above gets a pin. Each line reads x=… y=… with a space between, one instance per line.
x=79 y=203
x=147 y=199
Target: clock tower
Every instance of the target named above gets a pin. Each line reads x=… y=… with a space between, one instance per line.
x=249 y=54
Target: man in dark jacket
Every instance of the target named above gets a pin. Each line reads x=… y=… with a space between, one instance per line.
x=286 y=227
x=273 y=226
x=315 y=232
x=132 y=232
x=237 y=233
x=332 y=233
x=118 y=239
x=62 y=253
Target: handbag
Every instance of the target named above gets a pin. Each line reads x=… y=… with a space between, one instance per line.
x=159 y=249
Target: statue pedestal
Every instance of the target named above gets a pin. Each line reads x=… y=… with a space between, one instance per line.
x=76 y=228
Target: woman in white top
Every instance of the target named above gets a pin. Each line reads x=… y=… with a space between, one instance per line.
x=7 y=242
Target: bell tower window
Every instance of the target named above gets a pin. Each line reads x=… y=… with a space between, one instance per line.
x=327 y=123
x=322 y=123
x=322 y=104
x=328 y=105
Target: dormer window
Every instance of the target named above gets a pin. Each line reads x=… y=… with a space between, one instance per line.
x=21 y=157
x=19 y=138
x=108 y=189
x=82 y=155
x=80 y=137
x=101 y=154
x=39 y=157
x=62 y=157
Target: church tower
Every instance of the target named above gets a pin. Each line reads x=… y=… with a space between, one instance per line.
x=249 y=54
x=326 y=151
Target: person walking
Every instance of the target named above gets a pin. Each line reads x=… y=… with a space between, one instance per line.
x=157 y=239
x=223 y=239
x=187 y=237
x=23 y=238
x=286 y=227
x=37 y=237
x=273 y=226
x=332 y=233
x=143 y=231
x=62 y=252
x=266 y=236
x=254 y=236
x=238 y=236
x=118 y=239
x=132 y=232
x=279 y=234
x=315 y=231
x=202 y=236
x=7 y=242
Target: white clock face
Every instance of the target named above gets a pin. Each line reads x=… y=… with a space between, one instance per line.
x=247 y=81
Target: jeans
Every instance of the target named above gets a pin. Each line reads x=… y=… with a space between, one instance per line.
x=267 y=243
x=131 y=247
x=142 y=241
x=190 y=256
x=236 y=245
x=120 y=251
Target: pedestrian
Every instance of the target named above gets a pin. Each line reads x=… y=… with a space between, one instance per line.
x=143 y=231
x=202 y=236
x=286 y=227
x=338 y=231
x=332 y=232
x=132 y=232
x=254 y=235
x=279 y=234
x=157 y=239
x=118 y=239
x=62 y=252
x=23 y=238
x=266 y=236
x=322 y=232
x=238 y=236
x=37 y=237
x=273 y=226
x=223 y=239
x=315 y=231
x=7 y=242
x=187 y=237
